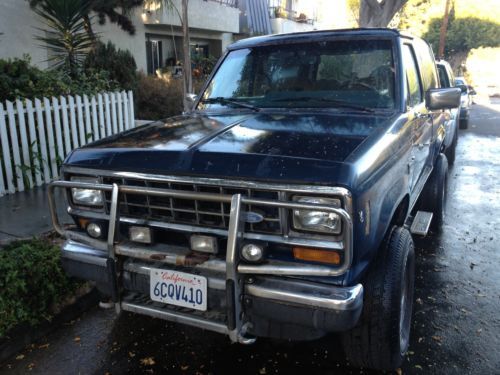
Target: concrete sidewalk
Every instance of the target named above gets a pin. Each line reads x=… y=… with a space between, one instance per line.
x=26 y=214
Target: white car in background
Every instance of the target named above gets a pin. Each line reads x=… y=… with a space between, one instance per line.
x=465 y=101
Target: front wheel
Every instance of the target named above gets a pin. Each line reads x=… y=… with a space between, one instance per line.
x=382 y=336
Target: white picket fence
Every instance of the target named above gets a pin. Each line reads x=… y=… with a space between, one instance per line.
x=36 y=136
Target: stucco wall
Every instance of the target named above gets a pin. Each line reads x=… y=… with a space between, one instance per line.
x=206 y=15
x=283 y=26
x=19 y=24
x=136 y=43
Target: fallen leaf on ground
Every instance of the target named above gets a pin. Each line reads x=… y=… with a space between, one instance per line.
x=131 y=354
x=148 y=361
x=44 y=346
x=20 y=356
x=184 y=368
x=437 y=338
x=262 y=371
x=77 y=339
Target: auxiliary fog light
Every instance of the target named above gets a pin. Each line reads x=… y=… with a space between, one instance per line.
x=204 y=244
x=252 y=253
x=140 y=234
x=94 y=230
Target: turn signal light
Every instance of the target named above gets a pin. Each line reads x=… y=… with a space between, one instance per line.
x=316 y=255
x=83 y=222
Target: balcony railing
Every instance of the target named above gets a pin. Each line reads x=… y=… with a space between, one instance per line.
x=289 y=14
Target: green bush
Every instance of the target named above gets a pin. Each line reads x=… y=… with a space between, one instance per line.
x=31 y=282
x=203 y=66
x=464 y=34
x=156 y=98
x=19 y=79
x=118 y=63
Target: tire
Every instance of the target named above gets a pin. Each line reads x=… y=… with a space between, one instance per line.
x=451 y=150
x=434 y=196
x=464 y=123
x=381 y=338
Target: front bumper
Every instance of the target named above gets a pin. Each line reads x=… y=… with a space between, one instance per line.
x=273 y=307
x=244 y=300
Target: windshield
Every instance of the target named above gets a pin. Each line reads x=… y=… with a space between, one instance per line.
x=354 y=74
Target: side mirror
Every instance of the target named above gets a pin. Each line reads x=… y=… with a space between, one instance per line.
x=189 y=101
x=463 y=88
x=436 y=99
x=191 y=98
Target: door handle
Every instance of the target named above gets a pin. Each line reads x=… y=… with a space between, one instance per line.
x=422 y=145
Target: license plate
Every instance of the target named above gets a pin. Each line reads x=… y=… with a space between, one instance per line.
x=179 y=288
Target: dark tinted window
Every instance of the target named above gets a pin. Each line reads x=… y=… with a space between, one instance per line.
x=412 y=77
x=324 y=74
x=426 y=64
x=443 y=76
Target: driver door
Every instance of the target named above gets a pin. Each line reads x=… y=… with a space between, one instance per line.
x=419 y=118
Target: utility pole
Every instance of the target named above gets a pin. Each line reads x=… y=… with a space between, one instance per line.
x=444 y=28
x=188 y=78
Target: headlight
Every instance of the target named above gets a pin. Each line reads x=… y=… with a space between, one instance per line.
x=317 y=221
x=86 y=197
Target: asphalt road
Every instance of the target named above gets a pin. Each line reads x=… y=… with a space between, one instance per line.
x=456 y=324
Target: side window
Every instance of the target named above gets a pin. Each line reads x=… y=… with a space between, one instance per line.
x=427 y=64
x=412 y=77
x=443 y=76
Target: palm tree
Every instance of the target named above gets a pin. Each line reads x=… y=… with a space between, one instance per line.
x=65 y=37
x=116 y=11
x=69 y=20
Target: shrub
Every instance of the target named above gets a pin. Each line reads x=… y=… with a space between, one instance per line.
x=118 y=63
x=157 y=98
x=31 y=282
x=203 y=66
x=19 y=79
x=464 y=34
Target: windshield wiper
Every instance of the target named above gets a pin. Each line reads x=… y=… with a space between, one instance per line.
x=336 y=102
x=232 y=101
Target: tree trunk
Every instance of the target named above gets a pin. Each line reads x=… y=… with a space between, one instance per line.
x=188 y=78
x=88 y=27
x=378 y=13
x=444 y=28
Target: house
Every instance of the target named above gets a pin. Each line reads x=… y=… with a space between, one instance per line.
x=157 y=42
x=260 y=17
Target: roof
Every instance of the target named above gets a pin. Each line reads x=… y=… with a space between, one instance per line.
x=313 y=35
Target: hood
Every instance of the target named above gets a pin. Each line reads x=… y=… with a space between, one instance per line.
x=291 y=146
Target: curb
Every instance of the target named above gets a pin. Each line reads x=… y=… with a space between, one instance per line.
x=22 y=336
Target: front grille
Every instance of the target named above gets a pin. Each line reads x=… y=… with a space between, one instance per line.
x=193 y=212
